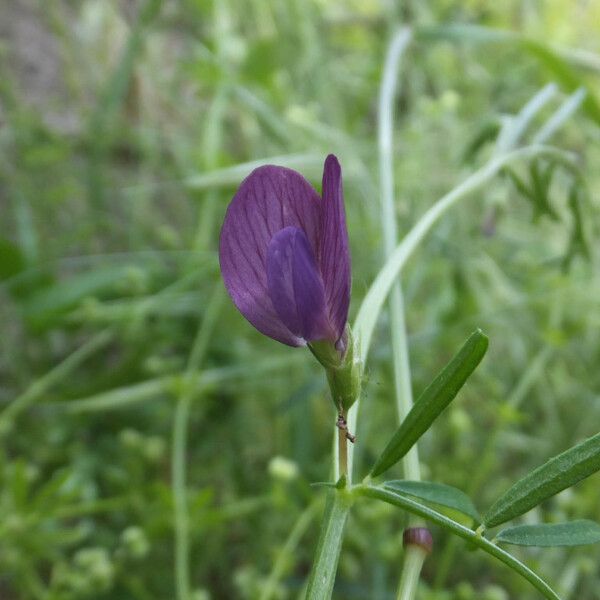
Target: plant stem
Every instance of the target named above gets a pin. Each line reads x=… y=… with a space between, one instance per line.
x=342 y=455
x=413 y=561
x=178 y=457
x=178 y=464
x=564 y=112
x=459 y=530
x=402 y=374
x=322 y=575
x=515 y=127
x=370 y=309
x=414 y=555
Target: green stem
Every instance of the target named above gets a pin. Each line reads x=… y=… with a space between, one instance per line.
x=414 y=555
x=375 y=298
x=178 y=457
x=322 y=575
x=181 y=520
x=342 y=455
x=515 y=127
x=409 y=580
x=339 y=501
x=460 y=531
x=402 y=374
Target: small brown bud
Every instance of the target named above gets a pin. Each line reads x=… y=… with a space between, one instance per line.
x=418 y=536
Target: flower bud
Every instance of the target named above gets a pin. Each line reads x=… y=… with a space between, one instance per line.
x=343 y=368
x=418 y=536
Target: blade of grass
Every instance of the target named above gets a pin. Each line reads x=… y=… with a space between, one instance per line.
x=514 y=131
x=178 y=453
x=414 y=556
x=230 y=176
x=370 y=309
x=128 y=396
x=401 y=363
x=564 y=112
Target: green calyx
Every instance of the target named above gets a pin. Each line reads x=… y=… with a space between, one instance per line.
x=343 y=370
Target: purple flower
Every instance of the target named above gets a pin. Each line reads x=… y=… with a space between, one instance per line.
x=284 y=255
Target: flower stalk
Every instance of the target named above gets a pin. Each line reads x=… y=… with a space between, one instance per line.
x=414 y=554
x=342 y=446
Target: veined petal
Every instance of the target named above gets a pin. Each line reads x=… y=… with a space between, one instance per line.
x=334 y=253
x=296 y=287
x=268 y=200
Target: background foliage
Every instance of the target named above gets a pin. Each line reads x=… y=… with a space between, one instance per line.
x=124 y=130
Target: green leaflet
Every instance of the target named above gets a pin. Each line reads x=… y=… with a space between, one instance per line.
x=416 y=508
x=574 y=533
x=433 y=401
x=436 y=493
x=557 y=474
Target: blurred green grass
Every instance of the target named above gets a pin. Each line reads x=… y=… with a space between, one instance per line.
x=124 y=130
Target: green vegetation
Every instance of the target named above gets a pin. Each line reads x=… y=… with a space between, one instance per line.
x=155 y=446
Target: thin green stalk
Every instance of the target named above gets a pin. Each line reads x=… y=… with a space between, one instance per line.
x=228 y=176
x=322 y=575
x=131 y=395
x=178 y=457
x=459 y=530
x=563 y=113
x=112 y=99
x=516 y=126
x=414 y=556
x=213 y=130
x=212 y=144
x=377 y=294
x=402 y=374
x=409 y=581
x=342 y=454
x=178 y=464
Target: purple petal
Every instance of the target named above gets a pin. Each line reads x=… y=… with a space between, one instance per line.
x=268 y=200
x=295 y=285
x=334 y=255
